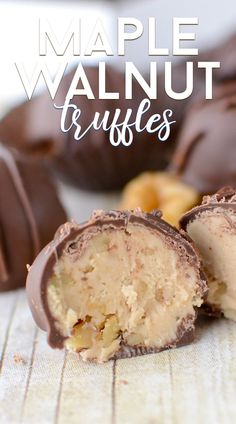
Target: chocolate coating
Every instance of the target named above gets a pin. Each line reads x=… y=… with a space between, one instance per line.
x=205 y=155
x=30 y=212
x=71 y=238
x=224 y=198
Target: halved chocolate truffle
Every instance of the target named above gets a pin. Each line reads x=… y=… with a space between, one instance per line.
x=212 y=226
x=122 y=284
x=205 y=155
x=30 y=213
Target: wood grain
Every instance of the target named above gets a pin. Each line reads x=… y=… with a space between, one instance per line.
x=38 y=385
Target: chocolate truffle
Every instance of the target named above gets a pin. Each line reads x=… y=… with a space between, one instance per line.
x=205 y=155
x=122 y=284
x=212 y=226
x=30 y=213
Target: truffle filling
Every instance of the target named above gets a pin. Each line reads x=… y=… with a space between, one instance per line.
x=215 y=236
x=124 y=286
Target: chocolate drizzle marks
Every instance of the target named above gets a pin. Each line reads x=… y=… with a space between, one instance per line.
x=4 y=274
x=184 y=152
x=11 y=165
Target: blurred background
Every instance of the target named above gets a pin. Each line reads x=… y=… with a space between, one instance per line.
x=19 y=38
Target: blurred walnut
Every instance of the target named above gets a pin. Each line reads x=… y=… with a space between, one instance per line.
x=159 y=190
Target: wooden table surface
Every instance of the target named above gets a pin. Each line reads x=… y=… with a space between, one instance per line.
x=38 y=385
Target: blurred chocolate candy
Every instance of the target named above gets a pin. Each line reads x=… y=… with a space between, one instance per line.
x=205 y=155
x=30 y=212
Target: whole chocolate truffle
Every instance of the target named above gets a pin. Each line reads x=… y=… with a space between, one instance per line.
x=30 y=212
x=212 y=226
x=122 y=284
x=205 y=155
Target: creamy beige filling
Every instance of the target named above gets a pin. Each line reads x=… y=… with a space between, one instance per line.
x=127 y=286
x=215 y=236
